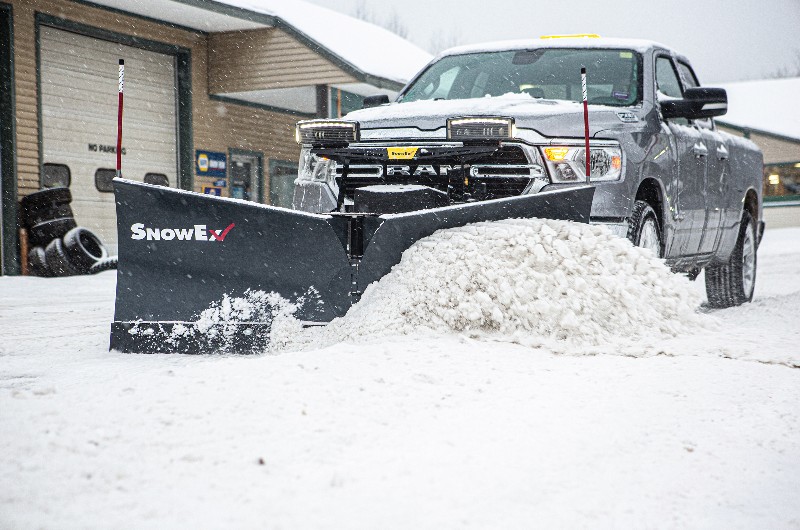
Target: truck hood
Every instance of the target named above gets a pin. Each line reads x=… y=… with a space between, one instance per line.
x=548 y=117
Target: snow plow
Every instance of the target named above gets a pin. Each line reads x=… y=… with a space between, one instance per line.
x=182 y=252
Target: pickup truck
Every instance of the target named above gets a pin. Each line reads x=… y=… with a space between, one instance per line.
x=665 y=177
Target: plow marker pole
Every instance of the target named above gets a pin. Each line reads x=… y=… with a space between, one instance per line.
x=119 y=116
x=586 y=123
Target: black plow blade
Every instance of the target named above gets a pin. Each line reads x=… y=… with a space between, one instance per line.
x=201 y=274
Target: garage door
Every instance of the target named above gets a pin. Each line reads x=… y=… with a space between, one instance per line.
x=79 y=121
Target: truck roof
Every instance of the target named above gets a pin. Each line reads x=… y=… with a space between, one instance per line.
x=639 y=45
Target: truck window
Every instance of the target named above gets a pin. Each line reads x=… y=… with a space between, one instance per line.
x=667 y=79
x=613 y=76
x=689 y=79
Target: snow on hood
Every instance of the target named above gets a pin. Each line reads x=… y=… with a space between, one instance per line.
x=549 y=117
x=387 y=55
x=536 y=282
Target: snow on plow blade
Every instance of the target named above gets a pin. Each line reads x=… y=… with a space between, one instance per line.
x=180 y=253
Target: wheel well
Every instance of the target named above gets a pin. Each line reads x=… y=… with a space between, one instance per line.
x=751 y=204
x=650 y=192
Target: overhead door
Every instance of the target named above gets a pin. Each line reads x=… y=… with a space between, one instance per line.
x=78 y=83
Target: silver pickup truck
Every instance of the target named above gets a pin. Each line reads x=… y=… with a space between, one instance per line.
x=665 y=176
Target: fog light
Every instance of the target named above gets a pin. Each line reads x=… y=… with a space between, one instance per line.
x=565 y=173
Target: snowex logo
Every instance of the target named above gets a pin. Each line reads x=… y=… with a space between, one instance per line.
x=196 y=233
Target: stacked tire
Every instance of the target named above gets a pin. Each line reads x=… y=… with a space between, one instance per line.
x=59 y=247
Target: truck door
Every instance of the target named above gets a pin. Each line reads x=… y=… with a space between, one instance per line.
x=717 y=173
x=689 y=201
x=717 y=186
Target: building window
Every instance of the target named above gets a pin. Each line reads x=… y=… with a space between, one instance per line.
x=157 y=179
x=343 y=102
x=56 y=176
x=782 y=181
x=103 y=178
x=282 y=175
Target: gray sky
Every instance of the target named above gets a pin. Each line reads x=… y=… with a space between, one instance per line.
x=725 y=40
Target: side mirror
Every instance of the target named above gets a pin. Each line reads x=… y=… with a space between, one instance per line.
x=375 y=101
x=697 y=103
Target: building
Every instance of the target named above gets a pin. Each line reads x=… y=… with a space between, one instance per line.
x=212 y=92
x=766 y=112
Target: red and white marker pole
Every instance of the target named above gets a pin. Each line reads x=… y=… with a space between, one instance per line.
x=119 y=117
x=586 y=123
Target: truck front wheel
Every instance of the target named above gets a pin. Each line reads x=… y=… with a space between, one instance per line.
x=643 y=228
x=733 y=284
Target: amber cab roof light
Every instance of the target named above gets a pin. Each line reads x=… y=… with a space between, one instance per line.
x=573 y=36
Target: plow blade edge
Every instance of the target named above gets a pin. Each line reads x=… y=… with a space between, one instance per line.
x=182 y=253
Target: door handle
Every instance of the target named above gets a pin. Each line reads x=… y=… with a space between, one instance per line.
x=722 y=152
x=699 y=149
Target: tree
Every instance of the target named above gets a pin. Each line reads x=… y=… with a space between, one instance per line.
x=441 y=41
x=396 y=25
x=792 y=69
x=393 y=23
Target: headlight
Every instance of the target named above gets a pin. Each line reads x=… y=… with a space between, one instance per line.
x=314 y=168
x=326 y=132
x=480 y=128
x=568 y=163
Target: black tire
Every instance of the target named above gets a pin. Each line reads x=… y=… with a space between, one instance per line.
x=43 y=233
x=644 y=221
x=83 y=248
x=106 y=264
x=37 y=263
x=733 y=283
x=45 y=205
x=46 y=197
x=57 y=260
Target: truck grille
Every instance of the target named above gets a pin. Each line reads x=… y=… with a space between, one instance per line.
x=505 y=173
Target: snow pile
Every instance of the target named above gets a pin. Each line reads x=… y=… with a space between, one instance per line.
x=221 y=322
x=541 y=283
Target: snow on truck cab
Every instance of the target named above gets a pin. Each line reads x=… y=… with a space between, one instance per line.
x=507 y=119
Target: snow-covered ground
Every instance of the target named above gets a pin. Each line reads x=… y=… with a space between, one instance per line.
x=699 y=429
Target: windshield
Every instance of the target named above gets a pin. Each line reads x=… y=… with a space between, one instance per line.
x=613 y=76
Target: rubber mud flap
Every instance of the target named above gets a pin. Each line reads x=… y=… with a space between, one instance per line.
x=398 y=232
x=179 y=252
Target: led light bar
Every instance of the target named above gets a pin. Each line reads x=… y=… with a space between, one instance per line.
x=326 y=132
x=480 y=128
